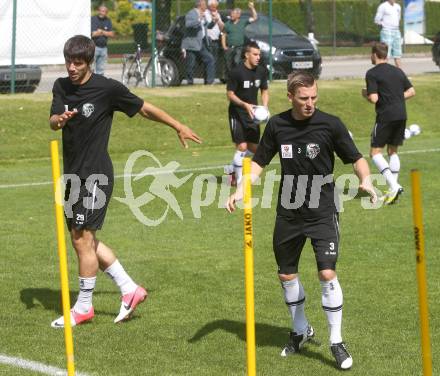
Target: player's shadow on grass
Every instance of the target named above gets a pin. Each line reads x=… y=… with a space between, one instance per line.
x=51 y=299
x=265 y=335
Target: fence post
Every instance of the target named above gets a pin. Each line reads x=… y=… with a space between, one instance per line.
x=270 y=41
x=334 y=27
x=14 y=39
x=153 y=44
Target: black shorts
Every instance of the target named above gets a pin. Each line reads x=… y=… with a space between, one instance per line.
x=389 y=133
x=85 y=204
x=243 y=128
x=290 y=235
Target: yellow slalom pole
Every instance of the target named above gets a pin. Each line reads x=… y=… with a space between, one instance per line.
x=68 y=339
x=421 y=272
x=249 y=269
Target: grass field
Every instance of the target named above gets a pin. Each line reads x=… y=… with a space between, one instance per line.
x=193 y=322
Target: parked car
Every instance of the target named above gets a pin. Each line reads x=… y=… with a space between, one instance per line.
x=436 y=49
x=27 y=78
x=290 y=51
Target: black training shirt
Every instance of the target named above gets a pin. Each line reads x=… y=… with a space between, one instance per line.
x=245 y=83
x=389 y=82
x=306 y=148
x=86 y=135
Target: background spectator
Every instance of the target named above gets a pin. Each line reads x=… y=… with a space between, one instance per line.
x=388 y=16
x=233 y=37
x=195 y=43
x=101 y=30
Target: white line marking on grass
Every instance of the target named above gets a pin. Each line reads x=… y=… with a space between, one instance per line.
x=192 y=169
x=34 y=366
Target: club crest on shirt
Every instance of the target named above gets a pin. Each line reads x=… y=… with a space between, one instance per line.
x=87 y=109
x=257 y=83
x=286 y=151
x=312 y=151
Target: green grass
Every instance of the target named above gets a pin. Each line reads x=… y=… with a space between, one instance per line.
x=193 y=322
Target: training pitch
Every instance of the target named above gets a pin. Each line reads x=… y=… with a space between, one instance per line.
x=193 y=323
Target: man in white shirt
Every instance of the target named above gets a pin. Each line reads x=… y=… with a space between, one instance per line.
x=388 y=17
x=214 y=29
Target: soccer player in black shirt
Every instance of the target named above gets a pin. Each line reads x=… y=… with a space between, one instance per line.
x=83 y=105
x=388 y=88
x=244 y=83
x=306 y=139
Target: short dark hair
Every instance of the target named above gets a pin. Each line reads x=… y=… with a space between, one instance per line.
x=247 y=47
x=299 y=79
x=380 y=50
x=79 y=47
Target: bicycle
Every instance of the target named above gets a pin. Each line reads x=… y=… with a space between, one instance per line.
x=132 y=67
x=166 y=72
x=165 y=69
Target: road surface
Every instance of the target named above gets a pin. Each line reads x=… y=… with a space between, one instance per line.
x=332 y=68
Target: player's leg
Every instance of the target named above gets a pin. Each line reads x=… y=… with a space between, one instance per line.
x=396 y=139
x=380 y=136
x=324 y=234
x=82 y=310
x=79 y=221
x=132 y=294
x=237 y=162
x=238 y=138
x=251 y=132
x=288 y=242
x=394 y=160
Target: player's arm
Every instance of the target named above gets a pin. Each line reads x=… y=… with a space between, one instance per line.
x=256 y=171
x=154 y=113
x=254 y=15
x=57 y=122
x=372 y=98
x=362 y=171
x=238 y=102
x=409 y=93
x=370 y=92
x=265 y=97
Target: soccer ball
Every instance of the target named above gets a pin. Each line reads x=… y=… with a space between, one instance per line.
x=414 y=129
x=261 y=113
x=407 y=134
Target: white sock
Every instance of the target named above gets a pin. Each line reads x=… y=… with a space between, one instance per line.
x=384 y=168
x=295 y=300
x=84 y=300
x=238 y=164
x=117 y=273
x=332 y=301
x=395 y=165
